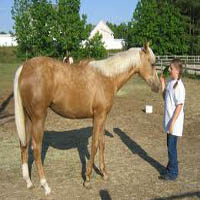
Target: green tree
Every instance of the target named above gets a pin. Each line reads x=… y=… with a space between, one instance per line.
x=42 y=18
x=144 y=24
x=33 y=22
x=190 y=11
x=42 y=28
x=120 y=31
x=160 y=23
x=94 y=48
x=70 y=29
x=22 y=19
x=173 y=38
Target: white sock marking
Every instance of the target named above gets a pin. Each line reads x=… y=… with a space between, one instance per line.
x=26 y=176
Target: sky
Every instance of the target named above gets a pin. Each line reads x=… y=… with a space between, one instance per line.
x=115 y=11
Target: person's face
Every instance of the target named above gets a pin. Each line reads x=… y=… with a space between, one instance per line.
x=173 y=72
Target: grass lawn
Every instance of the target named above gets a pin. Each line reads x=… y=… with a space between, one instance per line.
x=7 y=72
x=8 y=65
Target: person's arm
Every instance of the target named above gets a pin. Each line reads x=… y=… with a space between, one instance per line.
x=175 y=116
x=162 y=81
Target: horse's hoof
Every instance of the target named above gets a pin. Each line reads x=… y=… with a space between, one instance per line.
x=47 y=191
x=87 y=185
x=30 y=185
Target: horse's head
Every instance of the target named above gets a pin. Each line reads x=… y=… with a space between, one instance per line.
x=147 y=70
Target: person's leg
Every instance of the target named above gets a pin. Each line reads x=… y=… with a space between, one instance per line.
x=172 y=167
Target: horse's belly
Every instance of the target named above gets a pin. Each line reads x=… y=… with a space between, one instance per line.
x=73 y=112
x=74 y=102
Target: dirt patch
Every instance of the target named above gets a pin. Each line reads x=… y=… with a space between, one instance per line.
x=135 y=152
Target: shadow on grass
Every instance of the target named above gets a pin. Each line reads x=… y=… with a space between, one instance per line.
x=180 y=196
x=6 y=102
x=67 y=140
x=137 y=149
x=104 y=194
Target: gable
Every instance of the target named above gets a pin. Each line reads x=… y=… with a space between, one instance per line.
x=103 y=29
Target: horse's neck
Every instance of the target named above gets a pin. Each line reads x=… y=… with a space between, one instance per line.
x=122 y=78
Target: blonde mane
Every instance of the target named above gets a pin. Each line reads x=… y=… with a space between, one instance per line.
x=120 y=62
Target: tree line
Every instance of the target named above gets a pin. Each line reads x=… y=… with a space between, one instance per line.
x=172 y=26
x=43 y=28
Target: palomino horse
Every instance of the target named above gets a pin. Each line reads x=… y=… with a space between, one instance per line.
x=85 y=90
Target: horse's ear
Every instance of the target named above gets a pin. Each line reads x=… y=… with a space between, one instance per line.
x=146 y=47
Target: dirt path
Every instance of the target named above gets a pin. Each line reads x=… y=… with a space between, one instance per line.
x=135 y=153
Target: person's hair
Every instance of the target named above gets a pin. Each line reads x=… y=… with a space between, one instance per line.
x=179 y=66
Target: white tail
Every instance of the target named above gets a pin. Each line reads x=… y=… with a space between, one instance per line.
x=19 y=112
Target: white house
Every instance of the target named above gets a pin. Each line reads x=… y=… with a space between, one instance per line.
x=7 y=40
x=107 y=36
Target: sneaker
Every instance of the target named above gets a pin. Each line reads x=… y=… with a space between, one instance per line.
x=167 y=177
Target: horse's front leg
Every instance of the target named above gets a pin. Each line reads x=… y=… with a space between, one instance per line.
x=102 y=165
x=98 y=126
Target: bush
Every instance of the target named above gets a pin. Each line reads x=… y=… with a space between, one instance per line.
x=93 y=48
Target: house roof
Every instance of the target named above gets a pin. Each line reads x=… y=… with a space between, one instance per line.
x=107 y=36
x=101 y=26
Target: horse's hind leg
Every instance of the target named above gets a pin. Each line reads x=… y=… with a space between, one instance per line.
x=24 y=153
x=37 y=136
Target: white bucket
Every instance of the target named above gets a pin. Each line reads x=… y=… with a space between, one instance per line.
x=149 y=109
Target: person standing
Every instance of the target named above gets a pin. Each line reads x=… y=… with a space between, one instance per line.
x=174 y=99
